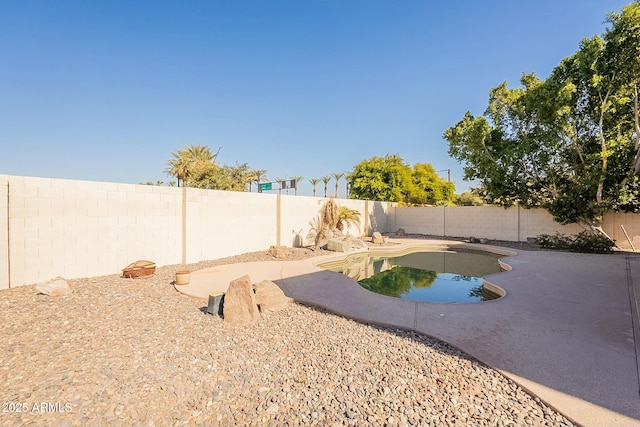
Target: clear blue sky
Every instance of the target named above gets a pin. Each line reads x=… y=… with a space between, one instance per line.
x=106 y=90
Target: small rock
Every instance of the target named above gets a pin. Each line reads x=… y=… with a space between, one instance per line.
x=279 y=251
x=376 y=238
x=55 y=287
x=270 y=297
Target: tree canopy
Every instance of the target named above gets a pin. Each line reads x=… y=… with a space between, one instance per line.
x=389 y=179
x=570 y=143
x=469 y=198
x=191 y=159
x=195 y=166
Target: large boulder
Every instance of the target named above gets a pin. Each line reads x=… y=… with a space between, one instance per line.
x=54 y=287
x=322 y=241
x=240 y=306
x=345 y=244
x=270 y=297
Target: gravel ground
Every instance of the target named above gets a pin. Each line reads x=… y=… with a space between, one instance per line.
x=136 y=352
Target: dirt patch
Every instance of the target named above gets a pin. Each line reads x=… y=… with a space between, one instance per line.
x=294 y=254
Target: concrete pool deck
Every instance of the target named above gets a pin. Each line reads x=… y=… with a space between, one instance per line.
x=567 y=329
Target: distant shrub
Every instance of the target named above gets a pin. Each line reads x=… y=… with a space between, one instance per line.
x=468 y=198
x=556 y=241
x=584 y=241
x=592 y=243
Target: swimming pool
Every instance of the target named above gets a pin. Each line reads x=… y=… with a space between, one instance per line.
x=451 y=275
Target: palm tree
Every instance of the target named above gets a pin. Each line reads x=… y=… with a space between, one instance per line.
x=245 y=175
x=347 y=217
x=235 y=177
x=337 y=176
x=190 y=158
x=326 y=180
x=314 y=182
x=258 y=177
x=178 y=167
x=202 y=159
x=200 y=153
x=296 y=179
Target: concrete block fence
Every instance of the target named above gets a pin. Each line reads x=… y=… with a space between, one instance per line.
x=514 y=224
x=56 y=227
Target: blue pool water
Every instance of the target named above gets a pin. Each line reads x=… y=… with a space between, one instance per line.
x=426 y=276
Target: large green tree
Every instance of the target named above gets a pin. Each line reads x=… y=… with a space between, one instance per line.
x=380 y=178
x=428 y=188
x=567 y=143
x=622 y=56
x=389 y=178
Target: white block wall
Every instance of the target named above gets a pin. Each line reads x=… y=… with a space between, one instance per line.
x=631 y=222
x=82 y=228
x=512 y=224
x=482 y=221
x=55 y=227
x=429 y=221
x=534 y=222
x=377 y=216
x=225 y=223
